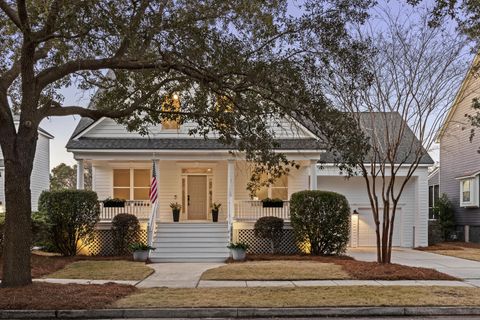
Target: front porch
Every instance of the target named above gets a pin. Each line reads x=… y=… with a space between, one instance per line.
x=195 y=186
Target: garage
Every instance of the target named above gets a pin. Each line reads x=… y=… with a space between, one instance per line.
x=366 y=228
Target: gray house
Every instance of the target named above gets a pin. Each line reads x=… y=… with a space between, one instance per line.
x=459 y=173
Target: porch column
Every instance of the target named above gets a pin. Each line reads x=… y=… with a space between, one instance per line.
x=80 y=175
x=313 y=174
x=230 y=195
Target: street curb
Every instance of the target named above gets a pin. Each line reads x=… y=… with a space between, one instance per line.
x=238 y=312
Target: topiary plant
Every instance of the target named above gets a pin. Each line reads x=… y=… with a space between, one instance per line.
x=321 y=219
x=270 y=228
x=125 y=230
x=71 y=216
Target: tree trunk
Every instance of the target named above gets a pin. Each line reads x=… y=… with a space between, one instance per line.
x=18 y=231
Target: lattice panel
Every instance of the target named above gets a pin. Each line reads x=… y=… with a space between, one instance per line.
x=262 y=246
x=102 y=243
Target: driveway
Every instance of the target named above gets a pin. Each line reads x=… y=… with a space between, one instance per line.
x=456 y=267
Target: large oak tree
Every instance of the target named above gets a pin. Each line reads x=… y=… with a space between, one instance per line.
x=233 y=63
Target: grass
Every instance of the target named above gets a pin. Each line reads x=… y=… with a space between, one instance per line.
x=301 y=297
x=104 y=270
x=297 y=267
x=49 y=296
x=469 y=251
x=277 y=270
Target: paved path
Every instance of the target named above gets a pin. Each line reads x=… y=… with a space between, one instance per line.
x=176 y=275
x=456 y=267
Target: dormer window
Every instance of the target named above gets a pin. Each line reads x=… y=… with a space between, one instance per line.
x=171 y=105
x=469 y=190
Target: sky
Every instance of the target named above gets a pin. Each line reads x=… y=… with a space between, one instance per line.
x=62 y=127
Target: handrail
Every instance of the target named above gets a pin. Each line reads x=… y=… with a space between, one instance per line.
x=139 y=208
x=152 y=223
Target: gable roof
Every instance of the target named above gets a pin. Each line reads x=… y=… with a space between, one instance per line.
x=458 y=97
x=16 y=120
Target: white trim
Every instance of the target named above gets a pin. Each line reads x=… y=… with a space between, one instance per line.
x=473 y=175
x=160 y=151
x=87 y=129
x=474 y=192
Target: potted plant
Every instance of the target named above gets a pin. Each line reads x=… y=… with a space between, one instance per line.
x=176 y=207
x=140 y=251
x=238 y=250
x=215 y=209
x=272 y=203
x=114 y=203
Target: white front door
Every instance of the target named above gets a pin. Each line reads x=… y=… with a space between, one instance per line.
x=197 y=197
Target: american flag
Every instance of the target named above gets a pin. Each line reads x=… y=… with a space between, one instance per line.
x=153 y=185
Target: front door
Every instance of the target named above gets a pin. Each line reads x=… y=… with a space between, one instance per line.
x=197 y=197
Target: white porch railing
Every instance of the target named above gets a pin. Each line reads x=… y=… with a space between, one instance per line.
x=252 y=210
x=139 y=208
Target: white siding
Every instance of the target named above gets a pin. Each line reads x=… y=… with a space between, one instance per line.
x=108 y=128
x=40 y=179
x=354 y=190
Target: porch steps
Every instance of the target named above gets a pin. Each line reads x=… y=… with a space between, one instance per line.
x=190 y=242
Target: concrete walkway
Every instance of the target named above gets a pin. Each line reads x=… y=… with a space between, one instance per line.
x=456 y=267
x=176 y=275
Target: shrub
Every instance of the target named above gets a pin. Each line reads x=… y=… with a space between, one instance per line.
x=238 y=245
x=270 y=228
x=321 y=219
x=72 y=216
x=446 y=216
x=125 y=230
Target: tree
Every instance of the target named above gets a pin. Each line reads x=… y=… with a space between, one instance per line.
x=446 y=216
x=65 y=177
x=412 y=76
x=234 y=64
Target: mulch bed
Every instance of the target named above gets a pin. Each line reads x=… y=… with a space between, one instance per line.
x=49 y=296
x=45 y=264
x=362 y=270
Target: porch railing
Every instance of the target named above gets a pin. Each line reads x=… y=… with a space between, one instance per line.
x=139 y=208
x=251 y=210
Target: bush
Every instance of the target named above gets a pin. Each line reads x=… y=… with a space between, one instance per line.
x=40 y=233
x=125 y=230
x=71 y=216
x=446 y=216
x=321 y=219
x=270 y=228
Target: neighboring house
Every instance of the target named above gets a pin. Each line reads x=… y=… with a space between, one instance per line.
x=196 y=172
x=459 y=158
x=40 y=178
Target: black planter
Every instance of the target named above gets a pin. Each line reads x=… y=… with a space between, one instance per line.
x=113 y=204
x=176 y=215
x=215 y=215
x=272 y=204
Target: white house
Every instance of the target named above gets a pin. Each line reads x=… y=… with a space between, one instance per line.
x=40 y=179
x=196 y=172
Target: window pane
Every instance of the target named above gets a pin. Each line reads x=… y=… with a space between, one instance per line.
x=262 y=193
x=141 y=178
x=171 y=105
x=436 y=193
x=281 y=182
x=466 y=190
x=121 y=177
x=281 y=193
x=430 y=196
x=141 y=193
x=121 y=193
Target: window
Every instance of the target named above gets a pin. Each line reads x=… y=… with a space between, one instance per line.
x=279 y=189
x=131 y=184
x=469 y=189
x=171 y=105
x=433 y=196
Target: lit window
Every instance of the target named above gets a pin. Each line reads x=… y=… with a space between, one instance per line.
x=469 y=191
x=131 y=184
x=279 y=189
x=171 y=105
